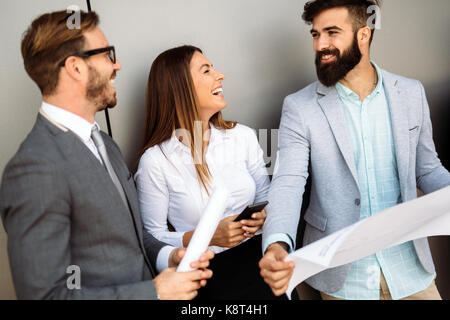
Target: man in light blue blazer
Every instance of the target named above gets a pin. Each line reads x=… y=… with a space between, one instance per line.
x=364 y=136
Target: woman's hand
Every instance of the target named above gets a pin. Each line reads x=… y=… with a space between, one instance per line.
x=251 y=226
x=228 y=233
x=177 y=255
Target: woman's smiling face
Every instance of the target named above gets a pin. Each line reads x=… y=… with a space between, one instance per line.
x=208 y=85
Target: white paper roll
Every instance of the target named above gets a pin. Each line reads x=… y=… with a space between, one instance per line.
x=206 y=227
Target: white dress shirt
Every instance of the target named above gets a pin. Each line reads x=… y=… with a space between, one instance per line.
x=169 y=190
x=82 y=128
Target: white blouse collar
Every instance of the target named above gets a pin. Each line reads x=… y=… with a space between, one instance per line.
x=216 y=138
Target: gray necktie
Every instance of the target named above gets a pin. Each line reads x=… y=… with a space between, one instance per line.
x=98 y=141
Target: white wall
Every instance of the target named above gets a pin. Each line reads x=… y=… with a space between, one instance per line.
x=263 y=47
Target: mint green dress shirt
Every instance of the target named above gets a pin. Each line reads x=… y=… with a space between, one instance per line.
x=369 y=125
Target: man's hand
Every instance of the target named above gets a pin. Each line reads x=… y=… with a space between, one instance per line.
x=202 y=263
x=172 y=285
x=275 y=271
x=252 y=225
x=228 y=233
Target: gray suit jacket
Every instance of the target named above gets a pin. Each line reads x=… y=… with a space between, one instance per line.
x=60 y=208
x=313 y=133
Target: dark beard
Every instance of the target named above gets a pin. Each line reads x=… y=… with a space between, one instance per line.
x=97 y=89
x=330 y=73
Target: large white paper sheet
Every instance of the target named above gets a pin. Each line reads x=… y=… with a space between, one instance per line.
x=205 y=228
x=423 y=217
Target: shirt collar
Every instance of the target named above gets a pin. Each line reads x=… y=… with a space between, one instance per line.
x=71 y=121
x=379 y=87
x=343 y=91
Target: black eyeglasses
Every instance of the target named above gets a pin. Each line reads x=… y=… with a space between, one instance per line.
x=86 y=54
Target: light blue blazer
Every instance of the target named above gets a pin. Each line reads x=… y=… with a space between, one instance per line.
x=313 y=133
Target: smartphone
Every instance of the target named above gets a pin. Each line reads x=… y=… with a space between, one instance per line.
x=247 y=213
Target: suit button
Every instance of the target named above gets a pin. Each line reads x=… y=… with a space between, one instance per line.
x=357 y=202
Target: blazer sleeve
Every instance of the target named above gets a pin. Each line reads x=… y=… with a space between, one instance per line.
x=290 y=174
x=35 y=209
x=257 y=167
x=430 y=174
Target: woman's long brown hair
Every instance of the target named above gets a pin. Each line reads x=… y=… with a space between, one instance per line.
x=171 y=104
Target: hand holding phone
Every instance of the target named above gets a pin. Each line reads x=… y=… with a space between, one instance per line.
x=250 y=209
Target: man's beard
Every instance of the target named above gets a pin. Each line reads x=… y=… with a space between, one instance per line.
x=330 y=73
x=97 y=91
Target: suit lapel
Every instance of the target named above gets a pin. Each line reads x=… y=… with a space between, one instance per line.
x=68 y=138
x=400 y=128
x=130 y=191
x=131 y=195
x=331 y=106
x=77 y=147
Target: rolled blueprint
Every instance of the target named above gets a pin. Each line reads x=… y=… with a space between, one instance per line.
x=206 y=227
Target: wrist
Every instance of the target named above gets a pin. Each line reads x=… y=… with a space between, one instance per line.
x=187 y=236
x=213 y=242
x=278 y=245
x=172 y=258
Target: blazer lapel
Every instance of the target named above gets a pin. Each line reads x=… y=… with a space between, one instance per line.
x=130 y=193
x=332 y=108
x=66 y=138
x=400 y=129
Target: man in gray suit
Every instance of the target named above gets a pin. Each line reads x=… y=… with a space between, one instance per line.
x=67 y=199
x=364 y=136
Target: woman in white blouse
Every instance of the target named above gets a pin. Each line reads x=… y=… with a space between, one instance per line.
x=188 y=148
